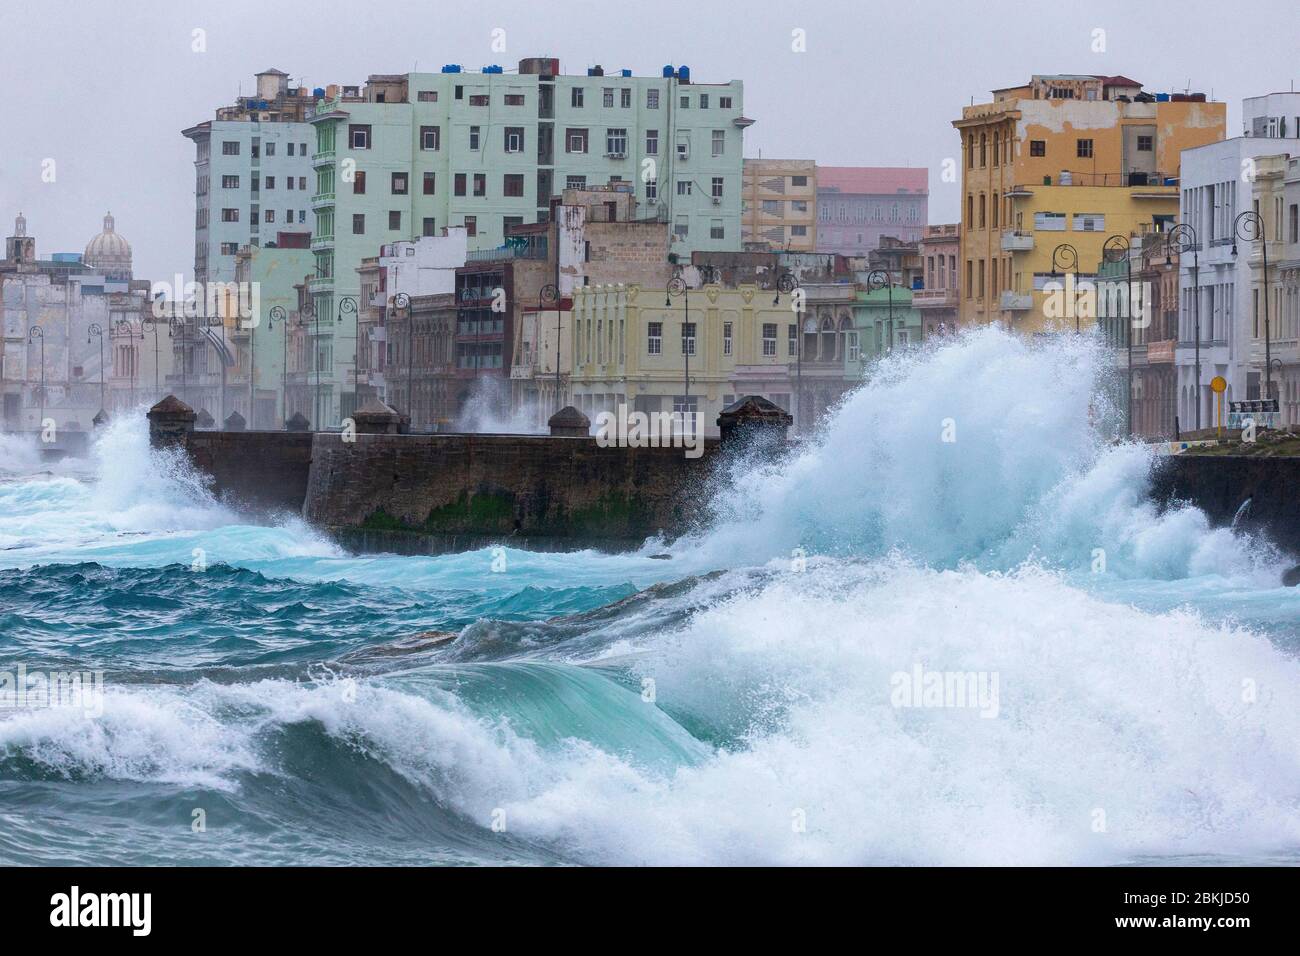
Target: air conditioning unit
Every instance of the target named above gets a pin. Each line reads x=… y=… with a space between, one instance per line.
x=683 y=151
x=616 y=155
x=717 y=200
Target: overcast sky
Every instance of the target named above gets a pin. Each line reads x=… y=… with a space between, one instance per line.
x=105 y=88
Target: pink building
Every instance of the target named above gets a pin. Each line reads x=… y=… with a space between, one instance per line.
x=857 y=205
x=937 y=300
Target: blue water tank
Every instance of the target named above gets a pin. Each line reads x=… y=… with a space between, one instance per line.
x=319 y=93
x=668 y=72
x=684 y=74
x=451 y=68
x=626 y=72
x=1162 y=97
x=492 y=69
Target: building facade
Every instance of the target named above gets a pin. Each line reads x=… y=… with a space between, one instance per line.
x=937 y=299
x=779 y=206
x=1050 y=169
x=857 y=206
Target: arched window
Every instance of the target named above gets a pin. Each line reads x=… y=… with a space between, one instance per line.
x=984 y=142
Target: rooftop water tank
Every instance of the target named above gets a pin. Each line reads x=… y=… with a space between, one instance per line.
x=492 y=69
x=625 y=72
x=319 y=93
x=668 y=72
x=451 y=68
x=684 y=74
x=595 y=70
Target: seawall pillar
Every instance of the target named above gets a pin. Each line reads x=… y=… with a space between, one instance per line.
x=170 y=422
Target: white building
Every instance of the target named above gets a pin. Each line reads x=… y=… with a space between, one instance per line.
x=1216 y=277
x=253 y=179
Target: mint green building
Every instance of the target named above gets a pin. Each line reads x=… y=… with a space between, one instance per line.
x=410 y=154
x=871 y=317
x=258 y=383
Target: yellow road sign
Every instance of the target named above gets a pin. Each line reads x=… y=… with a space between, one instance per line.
x=1218 y=384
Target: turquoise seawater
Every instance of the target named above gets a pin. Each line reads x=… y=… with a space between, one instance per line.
x=731 y=698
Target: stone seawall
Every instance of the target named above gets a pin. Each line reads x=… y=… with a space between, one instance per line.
x=261 y=471
x=449 y=492
x=1221 y=486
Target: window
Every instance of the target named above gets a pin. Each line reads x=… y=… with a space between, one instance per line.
x=798 y=180
x=654 y=337
x=798 y=230
x=427 y=96
x=460 y=92
x=269 y=145
x=458 y=185
x=575 y=140
x=717 y=187
x=1049 y=221
x=1293 y=223
x=798 y=205
x=704 y=101
x=616 y=142
x=681 y=227
x=358 y=136
x=1145 y=144
x=358 y=224
x=430 y=137
x=769 y=338
x=719 y=142
x=652 y=142
x=229 y=248
x=514 y=139
x=791 y=339
x=302 y=148
x=473 y=137
x=358 y=183
x=688 y=338
x=685 y=102
x=480 y=184
x=1083 y=148
x=724 y=102
x=230 y=215
x=575 y=182
x=270 y=149
x=513 y=184
x=625 y=97
x=430 y=227
x=289 y=182
x=652 y=99
x=471 y=225
x=430 y=183
x=229 y=182
x=478 y=99
x=575 y=97
x=302 y=182
x=230 y=148
x=514 y=99
x=716 y=229
x=302 y=215
x=1089 y=222
x=269 y=216
x=395 y=219
x=771 y=207
x=651 y=189
x=1037 y=147
x=683 y=147
x=399 y=181
x=726 y=338
x=683 y=187
x=270 y=182
x=607 y=97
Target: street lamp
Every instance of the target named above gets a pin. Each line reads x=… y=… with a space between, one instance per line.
x=123 y=327
x=179 y=326
x=1114 y=247
x=878 y=279
x=788 y=283
x=1249 y=226
x=36 y=332
x=279 y=314
x=348 y=306
x=1183 y=238
x=549 y=293
x=308 y=312
x=402 y=302
x=677 y=286
x=1065 y=256
x=95 y=330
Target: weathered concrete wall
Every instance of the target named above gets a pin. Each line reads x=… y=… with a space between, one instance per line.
x=265 y=471
x=1221 y=484
x=451 y=491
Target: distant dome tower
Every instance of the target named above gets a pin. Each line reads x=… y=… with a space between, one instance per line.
x=108 y=253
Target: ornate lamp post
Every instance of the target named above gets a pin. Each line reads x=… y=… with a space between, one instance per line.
x=95 y=330
x=123 y=327
x=549 y=293
x=279 y=314
x=787 y=283
x=308 y=314
x=878 y=279
x=1065 y=256
x=402 y=302
x=677 y=286
x=348 y=306
x=1115 y=247
x=1183 y=238
x=180 y=327
x=36 y=332
x=1249 y=226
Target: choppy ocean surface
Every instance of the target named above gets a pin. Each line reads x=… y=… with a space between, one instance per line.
x=271 y=699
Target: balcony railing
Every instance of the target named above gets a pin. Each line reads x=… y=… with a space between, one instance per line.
x=1016 y=301
x=1013 y=241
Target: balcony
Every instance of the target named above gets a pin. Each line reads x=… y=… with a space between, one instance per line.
x=321 y=242
x=1016 y=301
x=323 y=158
x=320 y=200
x=320 y=284
x=934 y=298
x=1013 y=241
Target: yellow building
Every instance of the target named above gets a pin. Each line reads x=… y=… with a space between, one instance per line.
x=1062 y=163
x=779 y=205
x=632 y=347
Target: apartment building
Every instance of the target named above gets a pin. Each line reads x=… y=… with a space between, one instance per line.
x=253 y=177
x=938 y=297
x=858 y=206
x=411 y=154
x=1221 y=277
x=779 y=206
x=1053 y=167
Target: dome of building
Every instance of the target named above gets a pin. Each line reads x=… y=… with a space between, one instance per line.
x=108 y=253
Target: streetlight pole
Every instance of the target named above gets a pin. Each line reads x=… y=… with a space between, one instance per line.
x=1066 y=256
x=95 y=330
x=402 y=302
x=348 y=306
x=878 y=279
x=549 y=293
x=677 y=286
x=1114 y=247
x=1183 y=237
x=36 y=332
x=788 y=283
x=1250 y=227
x=279 y=314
